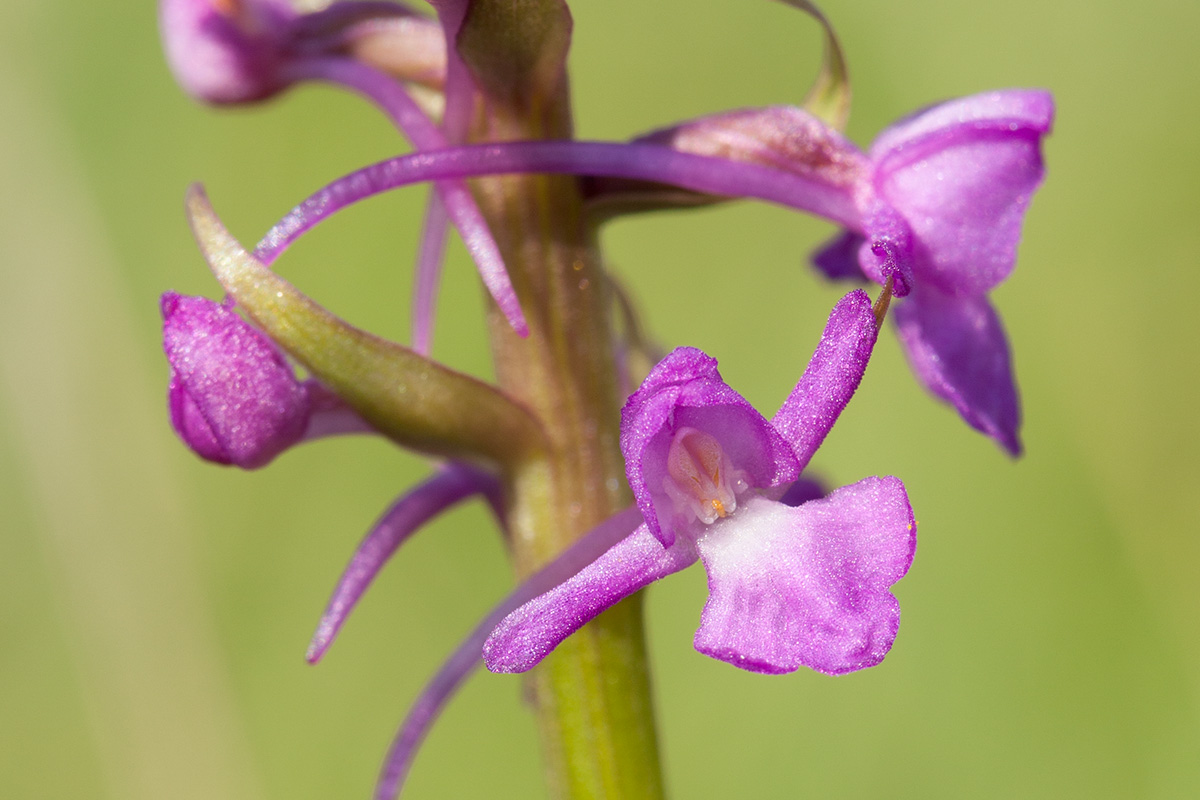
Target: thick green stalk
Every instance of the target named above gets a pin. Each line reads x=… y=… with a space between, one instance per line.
x=593 y=699
x=592 y=695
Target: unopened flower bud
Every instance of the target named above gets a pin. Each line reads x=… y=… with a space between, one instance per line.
x=233 y=397
x=225 y=51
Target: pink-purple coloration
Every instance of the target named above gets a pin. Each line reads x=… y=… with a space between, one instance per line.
x=238 y=51
x=961 y=175
x=233 y=397
x=465 y=658
x=936 y=206
x=797 y=576
x=940 y=200
x=449 y=486
x=789 y=586
x=226 y=52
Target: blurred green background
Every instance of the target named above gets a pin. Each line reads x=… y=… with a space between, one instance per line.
x=156 y=609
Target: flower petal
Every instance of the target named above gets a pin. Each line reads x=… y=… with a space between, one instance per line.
x=233 y=398
x=528 y=634
x=808 y=586
x=686 y=390
x=962 y=174
x=831 y=378
x=958 y=350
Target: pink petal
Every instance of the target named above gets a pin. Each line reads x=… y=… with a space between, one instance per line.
x=808 y=586
x=958 y=350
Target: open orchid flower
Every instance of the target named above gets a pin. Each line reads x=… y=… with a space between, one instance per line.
x=233 y=397
x=943 y=193
x=961 y=174
x=789 y=586
x=798 y=576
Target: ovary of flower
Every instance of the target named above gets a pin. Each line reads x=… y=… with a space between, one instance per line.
x=700 y=480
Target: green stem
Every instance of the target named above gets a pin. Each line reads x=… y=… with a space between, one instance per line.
x=593 y=700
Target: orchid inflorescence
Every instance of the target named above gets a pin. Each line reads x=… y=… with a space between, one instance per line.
x=797 y=576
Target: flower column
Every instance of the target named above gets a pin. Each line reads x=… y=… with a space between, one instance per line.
x=592 y=696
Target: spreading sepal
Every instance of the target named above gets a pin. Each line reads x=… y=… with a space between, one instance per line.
x=958 y=351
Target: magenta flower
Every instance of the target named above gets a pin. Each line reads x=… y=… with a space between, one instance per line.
x=797 y=576
x=936 y=205
x=788 y=586
x=240 y=51
x=961 y=174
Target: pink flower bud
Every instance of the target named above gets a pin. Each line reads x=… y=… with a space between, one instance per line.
x=233 y=397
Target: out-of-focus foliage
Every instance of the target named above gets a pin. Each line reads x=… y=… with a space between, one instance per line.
x=156 y=609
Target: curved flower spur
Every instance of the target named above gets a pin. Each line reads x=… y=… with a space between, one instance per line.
x=936 y=208
x=789 y=585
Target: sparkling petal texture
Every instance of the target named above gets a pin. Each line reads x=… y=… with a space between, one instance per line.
x=962 y=175
x=831 y=378
x=808 y=586
x=785 y=138
x=528 y=634
x=797 y=581
x=958 y=350
x=233 y=398
x=686 y=390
